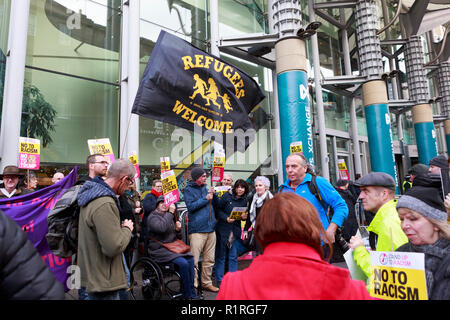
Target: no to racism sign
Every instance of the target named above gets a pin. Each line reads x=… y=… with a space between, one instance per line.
x=397 y=275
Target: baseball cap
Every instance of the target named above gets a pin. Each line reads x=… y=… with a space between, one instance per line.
x=379 y=179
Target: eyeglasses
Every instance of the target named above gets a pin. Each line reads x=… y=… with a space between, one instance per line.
x=102 y=162
x=130 y=180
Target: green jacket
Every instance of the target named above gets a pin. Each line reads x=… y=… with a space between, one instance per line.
x=385 y=223
x=101 y=242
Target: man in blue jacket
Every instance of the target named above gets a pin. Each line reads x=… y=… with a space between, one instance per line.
x=297 y=181
x=200 y=203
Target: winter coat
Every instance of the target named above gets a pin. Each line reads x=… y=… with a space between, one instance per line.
x=290 y=271
x=350 y=225
x=161 y=227
x=385 y=223
x=328 y=194
x=101 y=239
x=437 y=267
x=226 y=204
x=23 y=274
x=202 y=217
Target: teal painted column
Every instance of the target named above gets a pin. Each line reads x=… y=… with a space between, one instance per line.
x=293 y=98
x=378 y=122
x=447 y=134
x=380 y=139
x=426 y=141
x=425 y=132
x=295 y=113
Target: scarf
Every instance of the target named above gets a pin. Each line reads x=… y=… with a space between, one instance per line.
x=434 y=254
x=257 y=202
x=156 y=193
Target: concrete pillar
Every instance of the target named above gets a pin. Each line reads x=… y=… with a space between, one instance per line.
x=292 y=80
x=14 y=82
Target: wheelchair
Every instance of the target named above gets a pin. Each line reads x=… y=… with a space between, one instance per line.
x=150 y=280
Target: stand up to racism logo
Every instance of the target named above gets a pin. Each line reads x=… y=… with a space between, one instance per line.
x=188 y=87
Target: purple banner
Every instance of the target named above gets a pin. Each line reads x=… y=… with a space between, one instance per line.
x=30 y=212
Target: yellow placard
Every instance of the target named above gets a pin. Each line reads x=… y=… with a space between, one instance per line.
x=169 y=183
x=133 y=159
x=237 y=213
x=342 y=166
x=28 y=146
x=398 y=276
x=165 y=163
x=296 y=147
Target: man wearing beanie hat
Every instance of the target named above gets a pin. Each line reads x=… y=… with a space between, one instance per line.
x=377 y=195
x=200 y=203
x=437 y=163
x=424 y=220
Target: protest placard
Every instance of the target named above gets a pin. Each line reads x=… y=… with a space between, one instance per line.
x=165 y=164
x=29 y=153
x=170 y=188
x=132 y=156
x=397 y=275
x=101 y=146
x=237 y=212
x=296 y=147
x=343 y=171
x=218 y=163
x=221 y=190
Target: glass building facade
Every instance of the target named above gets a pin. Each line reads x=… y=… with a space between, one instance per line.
x=73 y=67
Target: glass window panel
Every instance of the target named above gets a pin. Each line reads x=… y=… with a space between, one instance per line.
x=84 y=110
x=75 y=37
x=5 y=6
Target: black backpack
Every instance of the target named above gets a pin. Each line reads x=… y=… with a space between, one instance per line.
x=62 y=236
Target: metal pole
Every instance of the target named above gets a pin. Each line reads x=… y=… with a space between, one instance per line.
x=133 y=75
x=353 y=119
x=124 y=112
x=14 y=82
x=444 y=91
x=214 y=20
x=324 y=159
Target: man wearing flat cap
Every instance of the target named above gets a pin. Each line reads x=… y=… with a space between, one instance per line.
x=437 y=163
x=377 y=195
x=10 y=177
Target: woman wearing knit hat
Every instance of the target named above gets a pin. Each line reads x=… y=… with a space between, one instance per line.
x=424 y=221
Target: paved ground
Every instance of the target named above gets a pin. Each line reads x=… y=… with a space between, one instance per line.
x=242 y=264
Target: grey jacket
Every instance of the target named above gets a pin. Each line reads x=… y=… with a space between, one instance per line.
x=437 y=267
x=162 y=228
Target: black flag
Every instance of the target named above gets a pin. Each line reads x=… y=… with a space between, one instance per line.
x=187 y=87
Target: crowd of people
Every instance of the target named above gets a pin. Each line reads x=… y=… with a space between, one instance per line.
x=298 y=227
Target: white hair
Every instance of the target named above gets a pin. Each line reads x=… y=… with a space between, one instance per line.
x=263 y=180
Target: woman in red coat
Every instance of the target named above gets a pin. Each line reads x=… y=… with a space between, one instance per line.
x=292 y=266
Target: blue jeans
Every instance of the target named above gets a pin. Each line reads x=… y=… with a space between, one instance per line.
x=123 y=293
x=186 y=270
x=222 y=252
x=110 y=295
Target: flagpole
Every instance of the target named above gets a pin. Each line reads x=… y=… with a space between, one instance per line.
x=126 y=135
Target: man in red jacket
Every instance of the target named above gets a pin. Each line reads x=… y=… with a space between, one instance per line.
x=292 y=265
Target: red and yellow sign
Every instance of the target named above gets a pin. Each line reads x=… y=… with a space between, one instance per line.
x=29 y=153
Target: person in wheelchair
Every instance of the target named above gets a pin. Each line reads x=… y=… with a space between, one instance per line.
x=163 y=227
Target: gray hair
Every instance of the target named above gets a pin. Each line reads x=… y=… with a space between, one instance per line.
x=263 y=180
x=121 y=167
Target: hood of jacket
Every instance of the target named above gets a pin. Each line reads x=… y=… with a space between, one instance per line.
x=427 y=180
x=94 y=189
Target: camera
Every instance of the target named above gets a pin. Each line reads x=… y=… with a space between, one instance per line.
x=340 y=241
